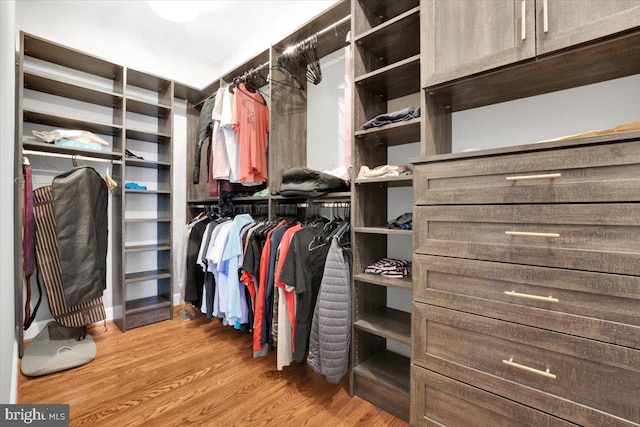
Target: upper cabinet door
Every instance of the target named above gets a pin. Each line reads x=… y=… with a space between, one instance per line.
x=564 y=23
x=463 y=37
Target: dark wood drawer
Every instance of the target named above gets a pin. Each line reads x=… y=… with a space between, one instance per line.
x=596 y=173
x=442 y=401
x=533 y=366
x=593 y=237
x=600 y=306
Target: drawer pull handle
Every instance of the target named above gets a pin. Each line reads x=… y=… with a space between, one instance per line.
x=533 y=297
x=530 y=234
x=523 y=17
x=544 y=373
x=545 y=16
x=531 y=177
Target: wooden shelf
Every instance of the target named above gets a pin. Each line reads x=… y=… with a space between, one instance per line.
x=55 y=85
x=146 y=275
x=144 y=304
x=54 y=53
x=147 y=108
x=151 y=164
x=388 y=368
x=384 y=380
x=374 y=13
x=52 y=148
x=376 y=279
x=393 y=81
x=143 y=220
x=148 y=248
x=147 y=81
x=388 y=323
x=65 y=122
x=389 y=181
x=382 y=230
x=149 y=192
x=149 y=136
x=393 y=134
x=389 y=41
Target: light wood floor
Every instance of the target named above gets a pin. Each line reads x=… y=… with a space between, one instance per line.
x=195 y=373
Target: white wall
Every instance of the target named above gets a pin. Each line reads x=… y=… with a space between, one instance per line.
x=592 y=107
x=8 y=356
x=325 y=115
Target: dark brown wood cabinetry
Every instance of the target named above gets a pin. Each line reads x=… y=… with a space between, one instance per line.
x=463 y=38
x=534 y=300
x=525 y=289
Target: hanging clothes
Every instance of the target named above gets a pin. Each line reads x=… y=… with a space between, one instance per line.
x=250 y=120
x=80 y=199
x=28 y=243
x=47 y=257
x=286 y=304
x=187 y=269
x=331 y=326
x=302 y=270
x=203 y=137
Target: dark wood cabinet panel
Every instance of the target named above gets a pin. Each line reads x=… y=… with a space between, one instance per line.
x=599 y=306
x=439 y=400
x=463 y=38
x=565 y=23
x=589 y=173
x=584 y=372
x=592 y=237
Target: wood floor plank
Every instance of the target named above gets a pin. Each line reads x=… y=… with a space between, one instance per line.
x=196 y=372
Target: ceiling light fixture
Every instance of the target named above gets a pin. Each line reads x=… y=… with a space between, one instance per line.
x=176 y=11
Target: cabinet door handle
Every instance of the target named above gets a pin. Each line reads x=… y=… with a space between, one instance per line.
x=523 y=16
x=531 y=234
x=533 y=297
x=531 y=177
x=544 y=373
x=545 y=16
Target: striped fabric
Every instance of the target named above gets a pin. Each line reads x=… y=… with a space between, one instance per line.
x=49 y=268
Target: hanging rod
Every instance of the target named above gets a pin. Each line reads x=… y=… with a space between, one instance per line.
x=319 y=33
x=335 y=24
x=71 y=156
x=253 y=70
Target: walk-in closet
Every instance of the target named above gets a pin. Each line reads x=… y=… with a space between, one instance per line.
x=207 y=213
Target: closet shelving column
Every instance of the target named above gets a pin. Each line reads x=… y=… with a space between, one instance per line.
x=62 y=88
x=386 y=67
x=146 y=292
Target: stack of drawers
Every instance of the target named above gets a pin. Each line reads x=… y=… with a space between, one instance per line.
x=526 y=292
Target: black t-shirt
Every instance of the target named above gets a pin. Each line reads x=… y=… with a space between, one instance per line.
x=303 y=270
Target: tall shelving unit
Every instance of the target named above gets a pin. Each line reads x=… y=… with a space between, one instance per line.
x=146 y=293
x=386 y=68
x=62 y=88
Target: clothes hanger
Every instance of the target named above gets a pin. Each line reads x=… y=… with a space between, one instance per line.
x=111 y=183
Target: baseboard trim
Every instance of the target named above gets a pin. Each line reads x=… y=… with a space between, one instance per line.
x=13 y=398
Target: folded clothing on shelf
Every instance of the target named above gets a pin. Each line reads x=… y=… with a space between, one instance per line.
x=71 y=134
x=131 y=155
x=77 y=144
x=390 y=268
x=304 y=182
x=393 y=117
x=134 y=186
x=383 y=171
x=403 y=222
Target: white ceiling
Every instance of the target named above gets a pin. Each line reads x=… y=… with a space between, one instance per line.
x=222 y=29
